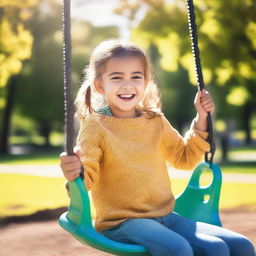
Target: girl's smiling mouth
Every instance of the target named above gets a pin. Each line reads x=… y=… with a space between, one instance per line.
x=126 y=97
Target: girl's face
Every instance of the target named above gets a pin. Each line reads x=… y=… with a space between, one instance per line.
x=123 y=85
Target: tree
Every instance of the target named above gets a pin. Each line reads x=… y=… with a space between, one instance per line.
x=40 y=95
x=15 y=47
x=227 y=44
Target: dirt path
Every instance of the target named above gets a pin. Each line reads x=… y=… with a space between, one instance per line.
x=48 y=239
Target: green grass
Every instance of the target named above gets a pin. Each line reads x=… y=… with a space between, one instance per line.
x=232 y=194
x=239 y=167
x=23 y=194
x=53 y=158
x=243 y=149
x=35 y=158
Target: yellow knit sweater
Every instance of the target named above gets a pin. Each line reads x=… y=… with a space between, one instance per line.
x=125 y=165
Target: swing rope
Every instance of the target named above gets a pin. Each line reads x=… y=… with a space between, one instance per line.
x=199 y=75
x=68 y=99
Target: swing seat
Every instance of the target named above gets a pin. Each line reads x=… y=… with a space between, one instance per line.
x=196 y=202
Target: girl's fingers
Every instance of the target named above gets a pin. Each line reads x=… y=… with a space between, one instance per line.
x=70 y=165
x=76 y=173
x=68 y=159
x=209 y=107
x=197 y=102
x=67 y=167
x=73 y=172
x=198 y=97
x=63 y=154
x=207 y=104
x=77 y=151
x=71 y=177
x=206 y=100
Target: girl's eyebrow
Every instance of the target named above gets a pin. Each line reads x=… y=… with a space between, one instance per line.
x=115 y=73
x=121 y=73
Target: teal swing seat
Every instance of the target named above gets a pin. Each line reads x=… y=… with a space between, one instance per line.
x=197 y=202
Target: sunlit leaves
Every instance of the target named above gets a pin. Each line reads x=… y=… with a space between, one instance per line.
x=169 y=49
x=211 y=28
x=251 y=32
x=188 y=63
x=238 y=96
x=15 y=40
x=142 y=38
x=224 y=72
x=17 y=3
x=15 y=47
x=220 y=125
x=245 y=70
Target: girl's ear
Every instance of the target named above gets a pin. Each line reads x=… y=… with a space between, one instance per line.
x=98 y=86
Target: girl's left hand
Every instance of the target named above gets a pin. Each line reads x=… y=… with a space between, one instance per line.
x=203 y=103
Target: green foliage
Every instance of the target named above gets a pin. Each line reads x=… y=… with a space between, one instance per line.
x=39 y=90
x=224 y=28
x=84 y=38
x=226 y=33
x=15 y=39
x=39 y=95
x=177 y=97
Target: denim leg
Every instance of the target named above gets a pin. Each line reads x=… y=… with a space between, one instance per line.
x=208 y=239
x=237 y=243
x=159 y=240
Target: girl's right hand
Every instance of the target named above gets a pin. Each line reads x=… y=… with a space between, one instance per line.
x=70 y=165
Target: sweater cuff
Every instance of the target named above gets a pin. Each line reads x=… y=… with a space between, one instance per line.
x=199 y=137
x=203 y=134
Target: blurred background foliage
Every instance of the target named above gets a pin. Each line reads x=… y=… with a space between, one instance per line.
x=31 y=102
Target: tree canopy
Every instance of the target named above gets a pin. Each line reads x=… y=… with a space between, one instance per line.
x=15 y=39
x=227 y=42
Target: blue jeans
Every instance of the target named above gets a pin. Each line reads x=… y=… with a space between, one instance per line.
x=174 y=235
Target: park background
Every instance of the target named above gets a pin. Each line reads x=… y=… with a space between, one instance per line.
x=31 y=102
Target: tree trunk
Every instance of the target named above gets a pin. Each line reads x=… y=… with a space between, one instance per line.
x=247 y=114
x=5 y=129
x=224 y=141
x=45 y=132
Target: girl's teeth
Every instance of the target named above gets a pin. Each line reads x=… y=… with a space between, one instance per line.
x=126 y=96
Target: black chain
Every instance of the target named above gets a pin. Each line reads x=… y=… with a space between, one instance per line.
x=199 y=75
x=68 y=97
x=68 y=101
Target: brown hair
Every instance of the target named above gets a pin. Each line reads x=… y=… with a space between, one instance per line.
x=88 y=98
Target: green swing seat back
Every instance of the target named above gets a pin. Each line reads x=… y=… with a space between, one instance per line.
x=197 y=202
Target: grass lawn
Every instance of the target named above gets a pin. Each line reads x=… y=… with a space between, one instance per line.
x=23 y=194
x=232 y=194
x=239 y=167
x=52 y=157
x=35 y=158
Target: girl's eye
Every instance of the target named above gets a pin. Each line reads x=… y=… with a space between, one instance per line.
x=116 y=78
x=136 y=77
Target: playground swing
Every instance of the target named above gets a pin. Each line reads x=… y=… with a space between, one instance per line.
x=196 y=202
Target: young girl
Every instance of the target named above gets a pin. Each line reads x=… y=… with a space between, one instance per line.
x=124 y=142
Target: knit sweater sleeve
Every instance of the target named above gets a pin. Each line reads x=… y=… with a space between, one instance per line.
x=183 y=153
x=89 y=142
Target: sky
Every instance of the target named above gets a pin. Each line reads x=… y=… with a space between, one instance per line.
x=100 y=13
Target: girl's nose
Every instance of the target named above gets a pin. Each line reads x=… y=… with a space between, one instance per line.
x=127 y=84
